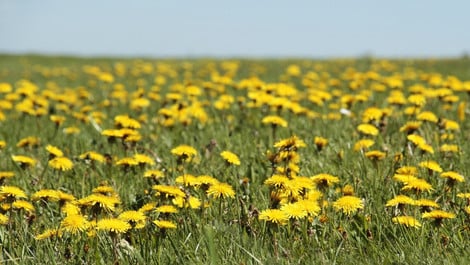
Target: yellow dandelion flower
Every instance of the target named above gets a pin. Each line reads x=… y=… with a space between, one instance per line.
x=30 y=141
x=294 y=210
x=127 y=162
x=418 y=185
x=368 y=129
x=46 y=195
x=54 y=151
x=12 y=192
x=124 y=121
x=400 y=200
x=426 y=203
x=70 y=208
x=135 y=218
x=166 y=209
x=144 y=159
x=438 y=215
x=23 y=205
x=324 y=179
x=3 y=219
x=163 y=224
x=375 y=155
x=452 y=175
x=407 y=221
x=184 y=151
x=221 y=189
x=185 y=202
x=24 y=161
x=94 y=156
x=292 y=143
x=6 y=175
x=230 y=158
x=168 y=191
x=49 y=233
x=65 y=197
x=113 y=225
x=57 y=119
x=310 y=206
x=61 y=163
x=449 y=148
x=320 y=142
x=431 y=165
x=71 y=130
x=416 y=139
x=148 y=207
x=410 y=126
x=348 y=204
x=274 y=120
x=363 y=144
x=103 y=202
x=427 y=116
x=407 y=170
x=187 y=180
x=104 y=190
x=275 y=216
x=74 y=224
x=154 y=173
x=463 y=195
x=450 y=125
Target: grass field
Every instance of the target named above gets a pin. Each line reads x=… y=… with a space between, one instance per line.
x=135 y=161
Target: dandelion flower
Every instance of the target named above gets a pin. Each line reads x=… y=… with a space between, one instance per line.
x=368 y=129
x=438 y=215
x=48 y=233
x=410 y=127
x=400 y=200
x=3 y=219
x=320 y=142
x=363 y=144
x=147 y=207
x=154 y=173
x=453 y=176
x=324 y=179
x=407 y=221
x=275 y=216
x=163 y=224
x=230 y=158
x=135 y=218
x=46 y=195
x=418 y=185
x=221 y=189
x=375 y=155
x=431 y=165
x=61 y=163
x=54 y=151
x=12 y=192
x=23 y=205
x=144 y=159
x=426 y=203
x=94 y=156
x=427 y=116
x=74 y=224
x=113 y=225
x=101 y=201
x=166 y=209
x=449 y=148
x=184 y=152
x=294 y=210
x=274 y=120
x=292 y=143
x=348 y=204
x=24 y=161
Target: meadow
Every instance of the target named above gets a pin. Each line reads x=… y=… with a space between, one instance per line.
x=206 y=161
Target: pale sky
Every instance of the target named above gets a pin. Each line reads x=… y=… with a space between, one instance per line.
x=263 y=28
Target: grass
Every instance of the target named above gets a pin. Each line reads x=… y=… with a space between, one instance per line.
x=229 y=229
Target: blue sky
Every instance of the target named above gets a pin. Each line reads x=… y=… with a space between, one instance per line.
x=236 y=28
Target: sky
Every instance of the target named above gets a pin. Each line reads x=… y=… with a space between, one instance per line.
x=239 y=28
